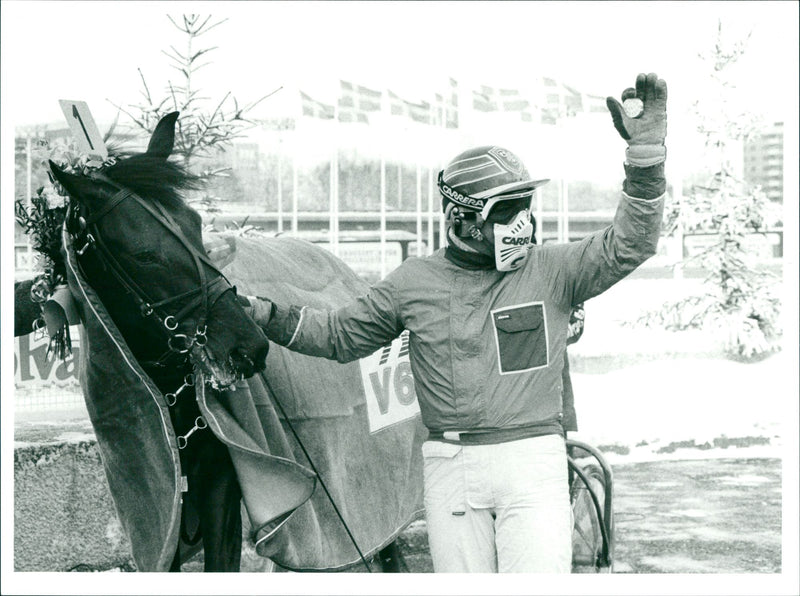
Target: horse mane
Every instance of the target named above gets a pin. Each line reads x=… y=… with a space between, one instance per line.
x=152 y=177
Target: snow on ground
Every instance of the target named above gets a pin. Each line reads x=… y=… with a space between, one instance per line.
x=646 y=389
x=685 y=401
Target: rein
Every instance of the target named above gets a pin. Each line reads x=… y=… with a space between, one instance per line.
x=316 y=471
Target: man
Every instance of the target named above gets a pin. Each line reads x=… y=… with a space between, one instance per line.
x=488 y=319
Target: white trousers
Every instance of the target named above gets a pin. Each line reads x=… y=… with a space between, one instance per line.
x=498 y=508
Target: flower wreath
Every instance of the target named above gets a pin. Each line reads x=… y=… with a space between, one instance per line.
x=42 y=221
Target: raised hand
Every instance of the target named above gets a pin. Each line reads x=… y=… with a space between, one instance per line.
x=645 y=132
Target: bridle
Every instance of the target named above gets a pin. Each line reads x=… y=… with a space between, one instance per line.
x=203 y=297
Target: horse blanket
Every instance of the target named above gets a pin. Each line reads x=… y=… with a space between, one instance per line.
x=373 y=471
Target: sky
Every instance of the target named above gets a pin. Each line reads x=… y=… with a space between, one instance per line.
x=91 y=51
x=94 y=51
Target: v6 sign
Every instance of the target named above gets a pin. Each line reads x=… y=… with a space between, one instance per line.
x=389 y=385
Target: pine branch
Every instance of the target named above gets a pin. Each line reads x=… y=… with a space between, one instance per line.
x=144 y=84
x=212 y=26
x=199 y=53
x=176 y=55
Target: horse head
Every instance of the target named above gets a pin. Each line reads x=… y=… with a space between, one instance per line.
x=140 y=247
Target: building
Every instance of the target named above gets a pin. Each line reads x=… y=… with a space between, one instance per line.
x=763 y=161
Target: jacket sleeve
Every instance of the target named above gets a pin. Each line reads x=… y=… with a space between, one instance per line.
x=348 y=333
x=584 y=269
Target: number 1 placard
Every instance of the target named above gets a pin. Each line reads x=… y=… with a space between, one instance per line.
x=84 y=128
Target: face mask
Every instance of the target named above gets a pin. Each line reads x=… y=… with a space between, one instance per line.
x=512 y=242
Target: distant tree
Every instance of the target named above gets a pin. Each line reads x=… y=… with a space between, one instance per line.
x=740 y=299
x=204 y=128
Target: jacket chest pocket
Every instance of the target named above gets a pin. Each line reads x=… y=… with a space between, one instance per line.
x=521 y=337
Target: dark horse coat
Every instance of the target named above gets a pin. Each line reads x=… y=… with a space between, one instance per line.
x=375 y=478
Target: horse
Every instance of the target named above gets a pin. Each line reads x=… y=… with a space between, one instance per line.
x=182 y=386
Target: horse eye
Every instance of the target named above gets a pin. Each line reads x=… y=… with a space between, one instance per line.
x=146 y=257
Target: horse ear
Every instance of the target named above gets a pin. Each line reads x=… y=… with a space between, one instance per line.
x=163 y=139
x=77 y=186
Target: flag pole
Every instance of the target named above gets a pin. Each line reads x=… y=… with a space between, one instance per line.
x=384 y=110
x=332 y=183
x=400 y=185
x=442 y=133
x=383 y=214
x=280 y=182
x=430 y=210
x=431 y=246
x=28 y=197
x=294 y=183
x=419 y=210
x=336 y=195
x=560 y=211
x=566 y=209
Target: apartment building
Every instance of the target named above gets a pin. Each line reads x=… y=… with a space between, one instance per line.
x=763 y=161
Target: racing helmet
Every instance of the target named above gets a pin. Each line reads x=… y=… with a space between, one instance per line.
x=477 y=179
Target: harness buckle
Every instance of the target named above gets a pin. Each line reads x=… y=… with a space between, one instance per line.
x=199 y=424
x=172 y=398
x=200 y=336
x=187 y=343
x=89 y=243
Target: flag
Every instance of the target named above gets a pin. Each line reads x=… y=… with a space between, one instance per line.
x=573 y=101
x=446 y=111
x=483 y=99
x=316 y=109
x=552 y=109
x=560 y=99
x=450 y=105
x=563 y=101
x=511 y=100
x=489 y=99
x=452 y=110
x=419 y=112
x=550 y=115
x=355 y=101
x=595 y=103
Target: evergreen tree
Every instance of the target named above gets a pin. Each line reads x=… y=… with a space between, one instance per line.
x=741 y=300
x=204 y=128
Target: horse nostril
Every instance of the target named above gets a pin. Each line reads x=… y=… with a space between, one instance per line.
x=249 y=362
x=241 y=362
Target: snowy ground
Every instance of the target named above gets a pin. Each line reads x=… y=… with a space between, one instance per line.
x=661 y=394
x=652 y=408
